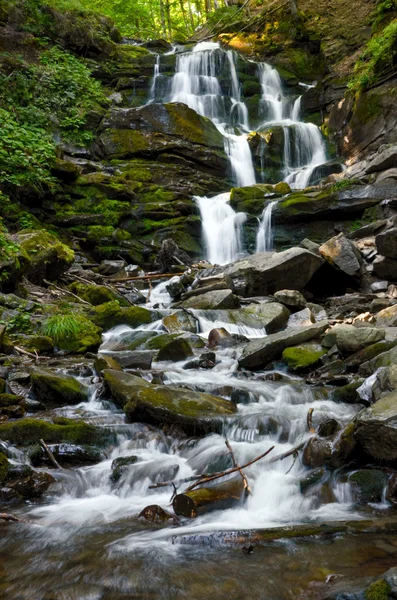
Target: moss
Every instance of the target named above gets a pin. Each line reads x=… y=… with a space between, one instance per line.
x=9 y=399
x=2 y=385
x=4 y=467
x=379 y=590
x=175 y=350
x=347 y=393
x=159 y=341
x=57 y=389
x=300 y=358
x=367 y=107
x=137 y=173
x=30 y=431
x=159 y=194
x=110 y=314
x=369 y=483
x=46 y=256
x=123 y=143
x=96 y=294
x=42 y=344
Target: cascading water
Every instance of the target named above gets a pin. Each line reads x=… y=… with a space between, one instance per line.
x=264 y=237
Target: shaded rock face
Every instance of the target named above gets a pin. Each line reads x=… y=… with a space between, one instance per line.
x=375 y=429
x=386 y=242
x=267 y=273
x=341 y=253
x=54 y=389
x=351 y=339
x=219 y=299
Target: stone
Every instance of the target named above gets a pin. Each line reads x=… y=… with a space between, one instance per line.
x=375 y=429
x=368 y=485
x=120 y=466
x=379 y=286
x=135 y=360
x=176 y=350
x=384 y=359
x=195 y=413
x=350 y=339
x=111 y=267
x=385 y=268
x=66 y=455
x=43 y=256
x=291 y=298
x=387 y=317
x=342 y=254
x=180 y=321
x=304 y=357
x=258 y=353
x=354 y=361
x=104 y=361
x=56 y=389
x=212 y=300
x=386 y=243
x=386 y=158
x=220 y=337
x=347 y=393
x=29 y=431
x=328 y=428
x=300 y=318
x=267 y=273
x=334 y=453
x=32 y=486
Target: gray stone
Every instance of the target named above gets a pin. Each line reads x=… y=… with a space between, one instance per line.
x=349 y=338
x=267 y=273
x=302 y=317
x=110 y=267
x=386 y=243
x=387 y=176
x=291 y=298
x=385 y=359
x=258 y=353
x=376 y=430
x=175 y=350
x=384 y=159
x=387 y=317
x=385 y=268
x=342 y=254
x=379 y=286
x=134 y=360
x=212 y=300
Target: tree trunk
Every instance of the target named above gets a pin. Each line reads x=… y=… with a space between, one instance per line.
x=162 y=16
x=221 y=496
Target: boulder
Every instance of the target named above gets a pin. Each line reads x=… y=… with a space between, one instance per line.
x=368 y=485
x=350 y=339
x=302 y=317
x=180 y=321
x=331 y=453
x=376 y=431
x=385 y=268
x=342 y=254
x=43 y=256
x=29 y=431
x=111 y=267
x=385 y=158
x=176 y=350
x=104 y=361
x=212 y=300
x=303 y=358
x=386 y=243
x=387 y=317
x=220 y=337
x=267 y=273
x=56 y=389
x=134 y=360
x=120 y=466
x=195 y=413
x=258 y=353
x=291 y=298
x=384 y=359
x=66 y=454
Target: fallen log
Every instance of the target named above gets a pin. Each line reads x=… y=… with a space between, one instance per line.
x=219 y=497
x=235 y=464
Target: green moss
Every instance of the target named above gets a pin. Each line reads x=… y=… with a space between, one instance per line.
x=300 y=358
x=4 y=467
x=158 y=195
x=110 y=314
x=123 y=143
x=347 y=393
x=96 y=294
x=9 y=399
x=367 y=107
x=29 y=431
x=137 y=174
x=2 y=385
x=379 y=590
x=73 y=332
x=159 y=341
x=41 y=344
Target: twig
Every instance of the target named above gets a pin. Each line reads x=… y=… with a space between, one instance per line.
x=68 y=292
x=228 y=471
x=144 y=277
x=246 y=484
x=22 y=351
x=309 y=420
x=286 y=454
x=50 y=454
x=9 y=517
x=149 y=292
x=295 y=459
x=184 y=480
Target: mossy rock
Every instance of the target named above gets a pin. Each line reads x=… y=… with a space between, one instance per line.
x=195 y=412
x=111 y=314
x=96 y=294
x=103 y=361
x=2 y=385
x=156 y=343
x=42 y=344
x=176 y=350
x=4 y=467
x=347 y=393
x=10 y=400
x=47 y=257
x=30 y=431
x=379 y=590
x=56 y=389
x=302 y=358
x=120 y=465
x=369 y=484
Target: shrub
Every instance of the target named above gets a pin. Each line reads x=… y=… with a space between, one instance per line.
x=74 y=333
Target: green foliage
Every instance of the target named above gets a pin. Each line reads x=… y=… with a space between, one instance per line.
x=379 y=590
x=21 y=323
x=343 y=184
x=377 y=60
x=70 y=331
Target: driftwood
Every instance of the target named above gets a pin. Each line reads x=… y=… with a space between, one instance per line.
x=196 y=502
x=67 y=292
x=245 y=480
x=9 y=517
x=309 y=420
x=287 y=454
x=146 y=277
x=50 y=454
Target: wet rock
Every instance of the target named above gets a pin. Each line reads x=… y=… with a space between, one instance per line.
x=28 y=431
x=311 y=479
x=111 y=267
x=180 y=321
x=212 y=300
x=385 y=268
x=176 y=350
x=342 y=254
x=56 y=389
x=258 y=353
x=32 y=486
x=241 y=397
x=169 y=255
x=135 y=360
x=333 y=453
x=291 y=298
x=221 y=338
x=156 y=514
x=196 y=413
x=348 y=393
x=302 y=317
x=384 y=359
x=104 y=361
x=375 y=429
x=66 y=455
x=111 y=314
x=120 y=466
x=266 y=273
x=350 y=339
x=205 y=361
x=368 y=485
x=328 y=428
x=304 y=357
x=362 y=356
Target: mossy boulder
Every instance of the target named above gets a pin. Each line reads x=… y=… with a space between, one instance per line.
x=110 y=314
x=10 y=400
x=96 y=294
x=28 y=431
x=180 y=321
x=368 y=485
x=56 y=389
x=176 y=350
x=44 y=255
x=303 y=358
x=195 y=412
x=347 y=393
x=103 y=361
x=378 y=590
x=42 y=344
x=375 y=429
x=4 y=467
x=120 y=466
x=218 y=299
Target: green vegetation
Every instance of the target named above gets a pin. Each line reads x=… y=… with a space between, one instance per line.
x=379 y=590
x=72 y=332
x=301 y=358
x=4 y=466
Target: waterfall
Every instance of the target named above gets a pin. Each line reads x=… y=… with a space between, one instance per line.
x=222 y=228
x=152 y=93
x=264 y=237
x=272 y=100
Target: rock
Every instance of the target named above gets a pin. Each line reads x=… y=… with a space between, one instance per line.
x=120 y=466
x=176 y=350
x=10 y=399
x=32 y=486
x=386 y=243
x=300 y=318
x=291 y=298
x=66 y=455
x=56 y=389
x=266 y=273
x=205 y=361
x=169 y=255
x=111 y=314
x=29 y=431
x=212 y=300
x=43 y=256
x=104 y=361
x=303 y=358
x=111 y=267
x=385 y=268
x=328 y=428
x=342 y=254
x=347 y=393
x=156 y=514
x=333 y=453
x=220 y=337
x=65 y=171
x=375 y=429
x=96 y=294
x=350 y=339
x=195 y=413
x=258 y=353
x=362 y=356
x=135 y=360
x=391 y=579
x=387 y=317
x=384 y=359
x=312 y=478
x=385 y=158
x=368 y=485
x=379 y=286
x=180 y=321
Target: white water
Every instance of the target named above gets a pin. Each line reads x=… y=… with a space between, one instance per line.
x=264 y=237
